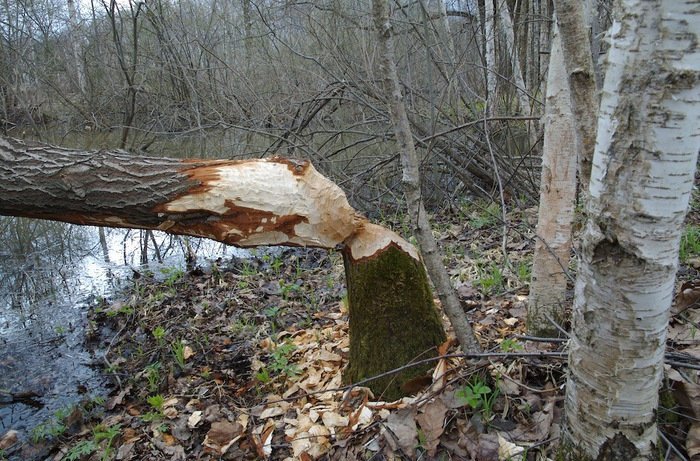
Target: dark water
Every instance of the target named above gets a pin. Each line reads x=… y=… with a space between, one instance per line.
x=44 y=301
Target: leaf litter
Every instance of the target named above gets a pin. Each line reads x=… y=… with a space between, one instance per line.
x=244 y=360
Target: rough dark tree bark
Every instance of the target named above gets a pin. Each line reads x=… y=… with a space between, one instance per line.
x=244 y=203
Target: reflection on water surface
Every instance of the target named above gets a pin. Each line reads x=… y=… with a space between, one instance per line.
x=50 y=275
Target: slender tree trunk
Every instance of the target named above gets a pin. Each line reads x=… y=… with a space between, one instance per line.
x=74 y=22
x=557 y=200
x=411 y=182
x=643 y=173
x=573 y=28
x=490 y=50
x=506 y=24
x=245 y=203
x=103 y=244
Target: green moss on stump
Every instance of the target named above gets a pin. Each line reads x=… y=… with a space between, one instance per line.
x=393 y=320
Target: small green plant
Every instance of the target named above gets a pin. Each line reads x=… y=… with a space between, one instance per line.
x=485 y=216
x=272 y=311
x=152 y=373
x=106 y=433
x=242 y=325
x=510 y=345
x=52 y=427
x=288 y=289
x=248 y=270
x=81 y=449
x=263 y=376
x=178 y=350
x=477 y=395
x=690 y=243
x=159 y=335
x=524 y=271
x=491 y=280
x=279 y=364
x=156 y=402
x=172 y=275
x=112 y=368
x=280 y=360
x=276 y=265
x=60 y=330
x=122 y=310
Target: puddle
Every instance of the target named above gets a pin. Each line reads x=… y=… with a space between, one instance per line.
x=45 y=366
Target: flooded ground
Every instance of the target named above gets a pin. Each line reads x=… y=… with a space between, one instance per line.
x=46 y=291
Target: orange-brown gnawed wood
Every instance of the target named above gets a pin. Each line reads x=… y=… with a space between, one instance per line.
x=265 y=202
x=372 y=239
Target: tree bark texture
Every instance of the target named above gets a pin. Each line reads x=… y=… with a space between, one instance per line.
x=490 y=57
x=403 y=312
x=244 y=203
x=642 y=176
x=411 y=183
x=557 y=199
x=573 y=28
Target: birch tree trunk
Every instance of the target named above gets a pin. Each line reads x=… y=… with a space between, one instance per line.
x=244 y=203
x=643 y=173
x=557 y=199
x=411 y=182
x=506 y=24
x=573 y=28
x=490 y=49
x=74 y=22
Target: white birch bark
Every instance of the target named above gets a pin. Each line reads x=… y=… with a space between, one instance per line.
x=643 y=172
x=506 y=26
x=573 y=28
x=490 y=46
x=74 y=22
x=557 y=199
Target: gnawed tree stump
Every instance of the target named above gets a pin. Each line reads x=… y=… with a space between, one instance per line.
x=245 y=203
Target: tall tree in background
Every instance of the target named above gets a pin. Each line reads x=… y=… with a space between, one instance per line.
x=411 y=181
x=643 y=172
x=575 y=40
x=557 y=199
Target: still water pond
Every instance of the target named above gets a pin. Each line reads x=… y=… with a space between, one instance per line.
x=51 y=274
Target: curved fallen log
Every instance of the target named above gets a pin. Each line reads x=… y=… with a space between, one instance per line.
x=245 y=203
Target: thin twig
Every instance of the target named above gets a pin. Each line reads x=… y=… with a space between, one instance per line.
x=559 y=327
x=671 y=445
x=540 y=339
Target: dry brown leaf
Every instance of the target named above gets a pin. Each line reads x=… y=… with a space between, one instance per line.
x=688 y=296
x=117 y=399
x=266 y=438
x=327 y=356
x=487 y=449
x=688 y=396
x=539 y=427
x=222 y=435
x=331 y=419
x=124 y=451
x=402 y=425
x=508 y=450
x=431 y=420
x=129 y=435
x=8 y=439
x=187 y=352
x=508 y=386
x=194 y=419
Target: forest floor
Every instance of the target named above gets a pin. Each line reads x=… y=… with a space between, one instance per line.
x=243 y=360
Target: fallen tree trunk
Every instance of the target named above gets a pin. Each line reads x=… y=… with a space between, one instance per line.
x=245 y=203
